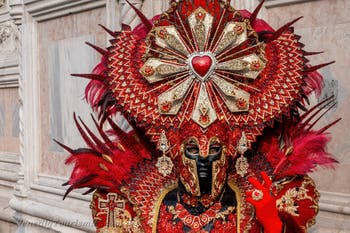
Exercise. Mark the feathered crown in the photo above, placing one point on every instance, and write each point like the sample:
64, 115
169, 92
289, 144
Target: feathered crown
205, 63
201, 67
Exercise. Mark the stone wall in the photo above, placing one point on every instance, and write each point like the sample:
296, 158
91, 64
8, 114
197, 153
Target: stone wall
41, 43
9, 114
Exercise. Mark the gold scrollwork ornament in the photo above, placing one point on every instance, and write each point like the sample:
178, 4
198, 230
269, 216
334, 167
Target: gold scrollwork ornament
164, 163
242, 164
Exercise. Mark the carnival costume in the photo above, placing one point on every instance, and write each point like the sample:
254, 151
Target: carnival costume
221, 139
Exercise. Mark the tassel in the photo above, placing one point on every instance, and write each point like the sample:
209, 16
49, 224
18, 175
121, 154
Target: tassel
279, 32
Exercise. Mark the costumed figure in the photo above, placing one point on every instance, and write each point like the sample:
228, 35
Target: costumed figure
221, 139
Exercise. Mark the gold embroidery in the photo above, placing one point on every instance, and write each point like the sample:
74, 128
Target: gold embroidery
192, 167
288, 202
158, 204
232, 95
240, 205
232, 37
217, 167
167, 36
203, 63
203, 101
200, 23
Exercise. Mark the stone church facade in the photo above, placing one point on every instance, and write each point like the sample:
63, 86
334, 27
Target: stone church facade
42, 42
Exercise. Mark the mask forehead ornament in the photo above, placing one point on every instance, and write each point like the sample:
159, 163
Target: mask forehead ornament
210, 72
164, 163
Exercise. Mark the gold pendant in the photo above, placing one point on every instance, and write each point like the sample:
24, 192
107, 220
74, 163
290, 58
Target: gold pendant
242, 166
164, 165
242, 162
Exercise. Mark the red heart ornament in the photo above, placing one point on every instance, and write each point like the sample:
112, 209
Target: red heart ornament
202, 64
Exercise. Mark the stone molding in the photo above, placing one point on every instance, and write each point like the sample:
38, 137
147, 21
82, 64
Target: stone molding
9, 82
53, 185
9, 78
9, 58
249, 5
8, 30
33, 214
338, 203
334, 215
42, 10
128, 15
5, 175
275, 3
15, 11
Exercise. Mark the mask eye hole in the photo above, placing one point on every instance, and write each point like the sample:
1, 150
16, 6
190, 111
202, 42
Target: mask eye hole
215, 149
192, 148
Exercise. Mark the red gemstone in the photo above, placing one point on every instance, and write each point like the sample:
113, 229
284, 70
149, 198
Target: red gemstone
204, 119
255, 65
241, 104
238, 29
200, 15
165, 106
162, 33
202, 64
148, 71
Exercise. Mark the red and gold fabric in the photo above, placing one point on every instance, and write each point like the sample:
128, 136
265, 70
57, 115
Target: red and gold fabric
297, 205
203, 73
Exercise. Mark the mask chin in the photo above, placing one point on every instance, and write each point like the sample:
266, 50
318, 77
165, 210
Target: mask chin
204, 170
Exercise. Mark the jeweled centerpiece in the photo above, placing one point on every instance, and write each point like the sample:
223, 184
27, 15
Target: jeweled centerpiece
201, 61
202, 65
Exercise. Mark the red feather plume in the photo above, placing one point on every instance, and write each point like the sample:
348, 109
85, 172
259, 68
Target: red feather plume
105, 164
314, 83
298, 150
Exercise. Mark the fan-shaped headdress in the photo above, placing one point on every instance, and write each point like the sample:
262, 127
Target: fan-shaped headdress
201, 68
